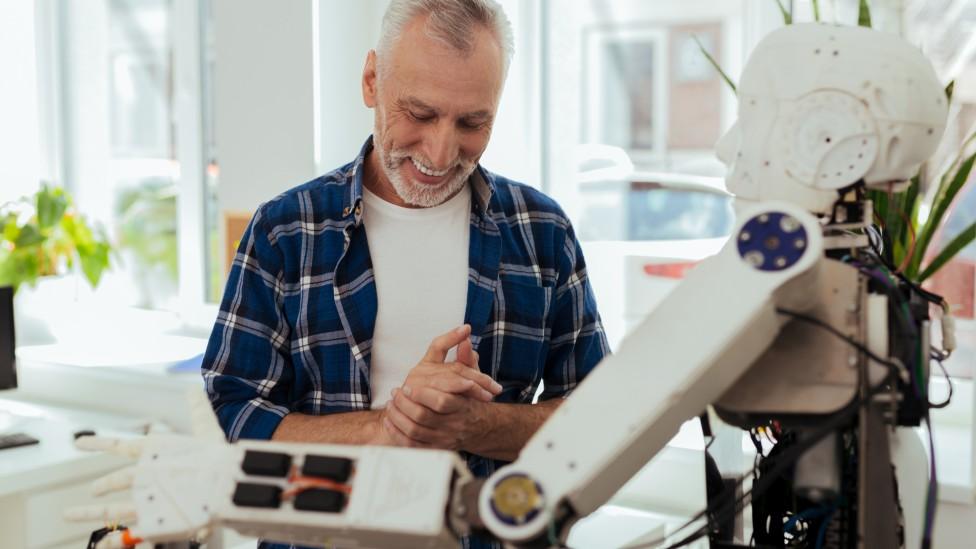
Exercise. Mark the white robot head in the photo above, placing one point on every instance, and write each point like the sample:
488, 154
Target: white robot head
822, 107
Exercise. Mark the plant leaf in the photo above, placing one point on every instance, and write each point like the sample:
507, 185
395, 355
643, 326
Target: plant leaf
94, 262
787, 16
715, 63
29, 235
955, 246
940, 205
864, 14
10, 229
816, 10
51, 204
949, 88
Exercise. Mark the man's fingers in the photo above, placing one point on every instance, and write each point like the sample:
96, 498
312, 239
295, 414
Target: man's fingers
477, 393
459, 385
114, 482
438, 401
114, 512
485, 381
465, 354
449, 383
398, 437
437, 351
409, 427
130, 448
416, 412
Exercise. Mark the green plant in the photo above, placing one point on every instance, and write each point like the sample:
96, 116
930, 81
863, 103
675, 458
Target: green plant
148, 226
44, 235
907, 232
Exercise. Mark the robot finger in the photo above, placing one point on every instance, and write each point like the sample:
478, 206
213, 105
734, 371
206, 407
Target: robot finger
118, 540
117, 513
130, 448
114, 482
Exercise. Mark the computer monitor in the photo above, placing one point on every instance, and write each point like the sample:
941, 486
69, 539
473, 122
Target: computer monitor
8, 372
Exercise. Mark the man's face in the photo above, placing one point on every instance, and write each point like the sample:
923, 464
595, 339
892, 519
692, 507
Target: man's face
434, 109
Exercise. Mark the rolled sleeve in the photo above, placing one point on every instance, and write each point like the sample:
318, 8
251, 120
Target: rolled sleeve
247, 368
577, 341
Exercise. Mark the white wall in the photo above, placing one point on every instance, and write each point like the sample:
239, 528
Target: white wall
347, 31
264, 106
19, 156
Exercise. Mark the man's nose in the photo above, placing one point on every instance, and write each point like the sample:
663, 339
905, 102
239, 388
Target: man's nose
442, 146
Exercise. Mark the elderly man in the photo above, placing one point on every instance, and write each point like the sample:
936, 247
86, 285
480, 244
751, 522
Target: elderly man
410, 297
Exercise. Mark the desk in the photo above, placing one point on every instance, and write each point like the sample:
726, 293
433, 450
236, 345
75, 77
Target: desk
38, 481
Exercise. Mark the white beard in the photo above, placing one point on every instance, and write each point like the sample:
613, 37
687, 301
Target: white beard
420, 194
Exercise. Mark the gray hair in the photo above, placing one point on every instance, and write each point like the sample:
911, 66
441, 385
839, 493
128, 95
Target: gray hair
451, 21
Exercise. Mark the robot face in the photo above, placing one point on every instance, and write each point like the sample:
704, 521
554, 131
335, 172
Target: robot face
823, 107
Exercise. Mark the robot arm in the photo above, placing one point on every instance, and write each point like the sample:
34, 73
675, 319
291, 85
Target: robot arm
615, 421
664, 373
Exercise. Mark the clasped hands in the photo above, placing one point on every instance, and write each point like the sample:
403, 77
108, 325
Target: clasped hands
440, 404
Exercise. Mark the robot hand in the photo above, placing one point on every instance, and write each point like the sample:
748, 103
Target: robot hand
183, 486
173, 481
172, 485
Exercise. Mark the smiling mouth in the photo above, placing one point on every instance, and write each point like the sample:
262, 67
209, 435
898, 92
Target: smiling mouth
425, 175
430, 172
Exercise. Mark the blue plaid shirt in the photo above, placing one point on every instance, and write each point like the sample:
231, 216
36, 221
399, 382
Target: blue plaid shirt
296, 321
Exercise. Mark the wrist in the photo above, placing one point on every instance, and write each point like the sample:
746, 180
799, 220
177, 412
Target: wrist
481, 423
377, 435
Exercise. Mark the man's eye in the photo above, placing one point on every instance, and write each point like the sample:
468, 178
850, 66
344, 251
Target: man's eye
421, 117
468, 125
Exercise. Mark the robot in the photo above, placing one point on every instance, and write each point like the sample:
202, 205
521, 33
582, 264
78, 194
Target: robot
800, 329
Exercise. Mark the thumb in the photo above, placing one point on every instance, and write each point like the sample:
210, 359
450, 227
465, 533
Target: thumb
466, 354
437, 351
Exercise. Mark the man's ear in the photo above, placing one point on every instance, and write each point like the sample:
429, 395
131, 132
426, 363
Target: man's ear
369, 80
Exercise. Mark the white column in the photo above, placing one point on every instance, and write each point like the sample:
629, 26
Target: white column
265, 120
346, 32
187, 101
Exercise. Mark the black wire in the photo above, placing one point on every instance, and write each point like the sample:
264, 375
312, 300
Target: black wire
781, 463
857, 345
879, 255
948, 378
788, 457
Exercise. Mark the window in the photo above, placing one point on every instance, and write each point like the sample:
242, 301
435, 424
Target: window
130, 132
634, 109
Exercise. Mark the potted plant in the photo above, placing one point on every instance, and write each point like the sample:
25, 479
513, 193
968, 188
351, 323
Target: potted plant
44, 238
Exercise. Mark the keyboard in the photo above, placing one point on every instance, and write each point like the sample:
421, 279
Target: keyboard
16, 440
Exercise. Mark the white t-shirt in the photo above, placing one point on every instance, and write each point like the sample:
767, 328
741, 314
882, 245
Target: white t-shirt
420, 264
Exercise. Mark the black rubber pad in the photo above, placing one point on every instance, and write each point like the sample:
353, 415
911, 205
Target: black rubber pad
318, 499
332, 468
257, 495
266, 464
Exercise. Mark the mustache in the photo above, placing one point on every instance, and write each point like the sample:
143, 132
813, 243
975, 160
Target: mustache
397, 156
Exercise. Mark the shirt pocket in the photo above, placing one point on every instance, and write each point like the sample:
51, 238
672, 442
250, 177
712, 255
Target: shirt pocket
520, 335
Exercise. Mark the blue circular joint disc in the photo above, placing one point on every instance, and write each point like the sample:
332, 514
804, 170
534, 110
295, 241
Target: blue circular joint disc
772, 241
